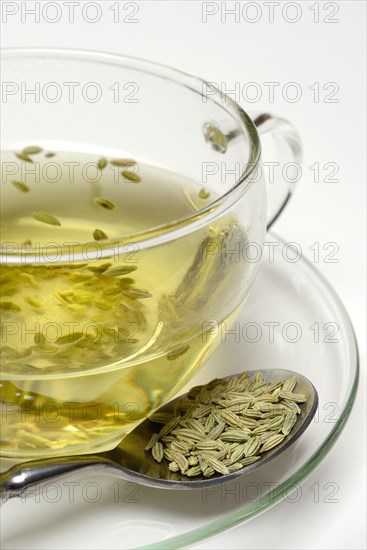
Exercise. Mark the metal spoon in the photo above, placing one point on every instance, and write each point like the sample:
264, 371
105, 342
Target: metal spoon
129, 461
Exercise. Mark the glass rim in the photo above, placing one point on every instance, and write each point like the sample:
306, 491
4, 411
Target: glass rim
174, 228
247, 512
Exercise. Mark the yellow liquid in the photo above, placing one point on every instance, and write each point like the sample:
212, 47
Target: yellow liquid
91, 347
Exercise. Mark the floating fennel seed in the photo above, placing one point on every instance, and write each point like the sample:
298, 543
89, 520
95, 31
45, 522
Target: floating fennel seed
215, 137
9, 289
100, 318
39, 338
111, 298
44, 349
69, 338
121, 270
9, 306
44, 217
112, 292
78, 277
172, 355
99, 268
137, 293
32, 150
104, 203
7, 276
67, 354
102, 163
130, 176
8, 351
203, 194
24, 157
30, 279
123, 162
103, 305
64, 297
20, 186
99, 235
50, 155
32, 302
83, 297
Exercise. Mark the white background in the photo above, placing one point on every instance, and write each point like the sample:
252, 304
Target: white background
305, 52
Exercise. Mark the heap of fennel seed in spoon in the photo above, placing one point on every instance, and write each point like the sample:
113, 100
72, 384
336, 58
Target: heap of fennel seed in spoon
225, 425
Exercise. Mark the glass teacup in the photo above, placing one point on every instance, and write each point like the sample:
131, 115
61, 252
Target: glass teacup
101, 326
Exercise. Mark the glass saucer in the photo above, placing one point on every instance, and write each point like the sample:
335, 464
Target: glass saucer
292, 320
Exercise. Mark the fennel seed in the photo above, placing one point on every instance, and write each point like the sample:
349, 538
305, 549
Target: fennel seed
123, 162
32, 150
102, 163
203, 194
44, 217
24, 157
209, 438
99, 235
130, 176
20, 186
105, 203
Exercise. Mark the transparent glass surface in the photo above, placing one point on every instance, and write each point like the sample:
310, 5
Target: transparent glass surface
102, 512
99, 333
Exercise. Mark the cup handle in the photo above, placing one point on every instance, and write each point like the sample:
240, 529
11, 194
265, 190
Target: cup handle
284, 171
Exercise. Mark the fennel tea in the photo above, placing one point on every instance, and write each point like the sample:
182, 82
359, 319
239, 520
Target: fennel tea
96, 330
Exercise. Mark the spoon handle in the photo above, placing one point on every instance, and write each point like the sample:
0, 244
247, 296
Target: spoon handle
22, 477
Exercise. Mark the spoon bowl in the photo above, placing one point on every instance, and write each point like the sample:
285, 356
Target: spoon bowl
131, 462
